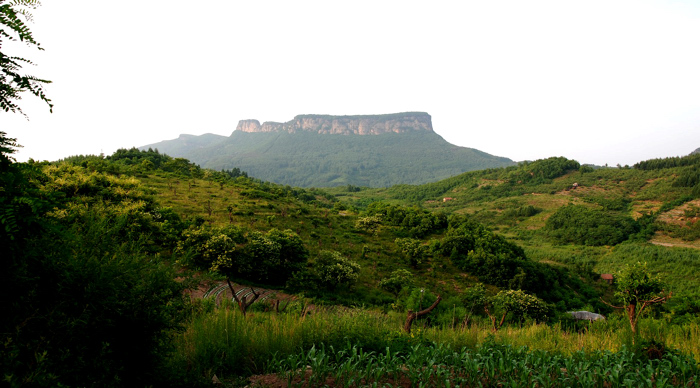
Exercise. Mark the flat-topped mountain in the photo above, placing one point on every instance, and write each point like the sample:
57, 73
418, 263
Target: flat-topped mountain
326, 151
345, 125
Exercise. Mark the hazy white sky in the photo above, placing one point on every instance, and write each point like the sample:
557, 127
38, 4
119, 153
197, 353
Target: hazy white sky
597, 81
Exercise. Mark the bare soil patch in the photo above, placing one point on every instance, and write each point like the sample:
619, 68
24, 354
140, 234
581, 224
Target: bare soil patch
677, 216
667, 241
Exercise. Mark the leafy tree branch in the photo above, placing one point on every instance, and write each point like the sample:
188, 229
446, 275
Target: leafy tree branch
14, 16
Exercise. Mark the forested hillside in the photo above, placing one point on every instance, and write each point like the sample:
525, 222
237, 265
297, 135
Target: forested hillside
561, 211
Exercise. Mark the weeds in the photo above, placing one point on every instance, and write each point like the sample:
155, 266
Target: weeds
352, 347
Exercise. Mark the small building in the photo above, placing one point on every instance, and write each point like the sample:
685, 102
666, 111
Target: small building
608, 277
447, 199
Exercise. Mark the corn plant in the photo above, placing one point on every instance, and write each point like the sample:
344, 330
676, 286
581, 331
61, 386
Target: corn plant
488, 365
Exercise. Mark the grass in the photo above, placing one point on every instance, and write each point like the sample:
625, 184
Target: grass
222, 342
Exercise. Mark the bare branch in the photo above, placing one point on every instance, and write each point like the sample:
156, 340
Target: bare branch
412, 315
615, 307
243, 303
658, 299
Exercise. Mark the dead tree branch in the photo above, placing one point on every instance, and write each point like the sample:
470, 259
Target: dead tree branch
243, 303
413, 315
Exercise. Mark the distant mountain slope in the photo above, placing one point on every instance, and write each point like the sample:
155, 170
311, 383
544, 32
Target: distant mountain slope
326, 151
187, 143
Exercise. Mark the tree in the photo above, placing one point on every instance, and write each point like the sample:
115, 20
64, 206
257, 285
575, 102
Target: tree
637, 289
396, 281
517, 302
368, 224
333, 270
474, 296
14, 16
292, 256
413, 249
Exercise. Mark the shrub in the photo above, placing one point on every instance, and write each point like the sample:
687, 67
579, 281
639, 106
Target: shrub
333, 270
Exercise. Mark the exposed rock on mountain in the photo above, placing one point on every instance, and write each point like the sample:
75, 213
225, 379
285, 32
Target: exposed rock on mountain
345, 125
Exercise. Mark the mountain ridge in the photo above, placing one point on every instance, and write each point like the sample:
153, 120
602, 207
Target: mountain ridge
328, 151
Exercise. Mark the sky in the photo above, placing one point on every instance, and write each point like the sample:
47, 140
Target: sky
602, 82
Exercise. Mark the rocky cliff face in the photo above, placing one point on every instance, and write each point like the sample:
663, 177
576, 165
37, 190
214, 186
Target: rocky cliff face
248, 126
345, 125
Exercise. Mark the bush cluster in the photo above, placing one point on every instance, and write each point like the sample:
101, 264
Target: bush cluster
586, 226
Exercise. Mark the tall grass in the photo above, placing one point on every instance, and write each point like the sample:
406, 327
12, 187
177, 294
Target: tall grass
611, 335
225, 343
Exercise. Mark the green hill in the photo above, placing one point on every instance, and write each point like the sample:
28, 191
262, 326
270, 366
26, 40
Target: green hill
205, 204
563, 213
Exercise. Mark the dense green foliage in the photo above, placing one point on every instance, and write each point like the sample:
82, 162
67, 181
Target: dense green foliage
689, 175
84, 299
517, 304
494, 260
657, 164
251, 256
396, 282
325, 160
586, 226
333, 270
637, 290
491, 183
635, 285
